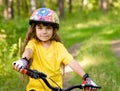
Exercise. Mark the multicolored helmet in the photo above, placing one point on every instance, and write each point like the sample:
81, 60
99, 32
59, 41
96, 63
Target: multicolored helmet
44, 15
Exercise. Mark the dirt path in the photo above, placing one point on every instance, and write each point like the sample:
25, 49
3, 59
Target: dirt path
115, 47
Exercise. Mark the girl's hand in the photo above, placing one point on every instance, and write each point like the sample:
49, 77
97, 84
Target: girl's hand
88, 81
20, 65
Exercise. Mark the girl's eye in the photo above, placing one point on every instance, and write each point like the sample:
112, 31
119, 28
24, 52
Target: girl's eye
46, 27
39, 27
49, 27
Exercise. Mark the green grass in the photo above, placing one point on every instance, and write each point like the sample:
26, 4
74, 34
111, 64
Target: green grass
94, 30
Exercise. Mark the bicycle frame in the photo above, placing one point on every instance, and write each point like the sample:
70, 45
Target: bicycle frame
39, 75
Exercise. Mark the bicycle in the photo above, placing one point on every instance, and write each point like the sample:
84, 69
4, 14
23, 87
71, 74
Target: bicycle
39, 75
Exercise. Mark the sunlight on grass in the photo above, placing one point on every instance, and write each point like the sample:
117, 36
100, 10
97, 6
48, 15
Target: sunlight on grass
88, 62
81, 25
87, 24
2, 34
108, 31
93, 22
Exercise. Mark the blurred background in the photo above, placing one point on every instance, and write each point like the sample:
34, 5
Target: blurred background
94, 25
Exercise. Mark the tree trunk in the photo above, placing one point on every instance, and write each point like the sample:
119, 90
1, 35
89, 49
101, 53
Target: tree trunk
70, 6
10, 9
33, 5
5, 9
81, 4
100, 4
42, 3
103, 5
111, 3
0, 2
18, 7
60, 5
85, 2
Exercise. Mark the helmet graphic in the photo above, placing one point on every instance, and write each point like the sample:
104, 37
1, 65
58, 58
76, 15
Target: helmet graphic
44, 15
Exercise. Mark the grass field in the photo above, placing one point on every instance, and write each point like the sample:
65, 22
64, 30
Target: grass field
94, 30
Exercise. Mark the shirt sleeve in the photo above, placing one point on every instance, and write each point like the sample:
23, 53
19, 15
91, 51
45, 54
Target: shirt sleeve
65, 55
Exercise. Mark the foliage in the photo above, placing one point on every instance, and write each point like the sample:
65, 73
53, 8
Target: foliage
10, 32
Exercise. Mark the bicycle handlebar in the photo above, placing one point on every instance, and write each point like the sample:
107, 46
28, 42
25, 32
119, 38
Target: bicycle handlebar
39, 75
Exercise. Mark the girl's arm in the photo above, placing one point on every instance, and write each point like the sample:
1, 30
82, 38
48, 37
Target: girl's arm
86, 80
74, 65
27, 53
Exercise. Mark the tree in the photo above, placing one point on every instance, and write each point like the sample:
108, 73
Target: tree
103, 5
18, 7
70, 5
83, 4
60, 5
42, 3
32, 5
11, 10
111, 2
8, 10
0, 2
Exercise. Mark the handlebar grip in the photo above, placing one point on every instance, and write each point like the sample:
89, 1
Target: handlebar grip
24, 71
34, 73
31, 73
97, 87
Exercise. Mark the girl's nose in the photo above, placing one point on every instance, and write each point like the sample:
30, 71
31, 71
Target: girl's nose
44, 30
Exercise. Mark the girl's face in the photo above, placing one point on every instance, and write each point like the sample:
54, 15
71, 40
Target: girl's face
44, 32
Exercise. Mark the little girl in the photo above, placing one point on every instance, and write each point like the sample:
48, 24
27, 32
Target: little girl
44, 51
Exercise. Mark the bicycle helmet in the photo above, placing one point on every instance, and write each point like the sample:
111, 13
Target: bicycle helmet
44, 15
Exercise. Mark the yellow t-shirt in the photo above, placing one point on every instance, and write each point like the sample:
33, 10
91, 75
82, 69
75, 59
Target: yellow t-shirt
48, 61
